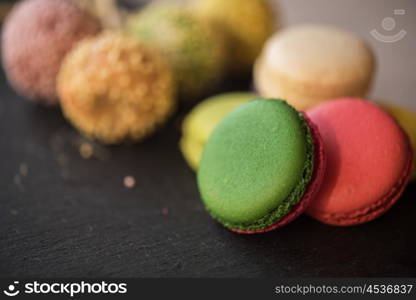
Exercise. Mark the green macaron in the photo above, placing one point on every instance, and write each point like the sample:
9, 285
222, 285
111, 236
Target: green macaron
257, 165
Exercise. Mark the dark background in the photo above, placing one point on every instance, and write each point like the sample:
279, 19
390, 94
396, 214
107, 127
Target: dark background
65, 216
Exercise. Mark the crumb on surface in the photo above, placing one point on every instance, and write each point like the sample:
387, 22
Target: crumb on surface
86, 150
129, 182
23, 169
17, 180
165, 211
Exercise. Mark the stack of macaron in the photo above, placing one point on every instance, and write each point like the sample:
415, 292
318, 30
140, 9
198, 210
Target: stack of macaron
343, 162
261, 166
324, 150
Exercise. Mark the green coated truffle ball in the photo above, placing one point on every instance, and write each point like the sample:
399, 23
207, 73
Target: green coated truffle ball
194, 48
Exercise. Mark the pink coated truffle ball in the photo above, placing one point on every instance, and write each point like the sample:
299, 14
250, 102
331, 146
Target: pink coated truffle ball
36, 37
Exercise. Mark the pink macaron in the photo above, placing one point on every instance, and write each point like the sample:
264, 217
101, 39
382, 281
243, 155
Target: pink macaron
369, 159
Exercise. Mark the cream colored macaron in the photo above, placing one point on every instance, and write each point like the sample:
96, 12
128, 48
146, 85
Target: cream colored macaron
308, 64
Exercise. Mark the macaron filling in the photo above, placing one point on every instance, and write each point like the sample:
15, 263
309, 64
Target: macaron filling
269, 186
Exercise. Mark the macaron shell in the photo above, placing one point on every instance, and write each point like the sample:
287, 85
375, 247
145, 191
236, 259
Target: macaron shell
332, 54
201, 121
312, 189
191, 150
256, 165
269, 84
368, 162
309, 64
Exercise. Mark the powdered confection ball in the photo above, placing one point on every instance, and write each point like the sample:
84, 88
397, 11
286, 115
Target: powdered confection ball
36, 37
193, 47
115, 88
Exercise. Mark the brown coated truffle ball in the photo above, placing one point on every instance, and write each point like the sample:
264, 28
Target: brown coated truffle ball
36, 37
115, 88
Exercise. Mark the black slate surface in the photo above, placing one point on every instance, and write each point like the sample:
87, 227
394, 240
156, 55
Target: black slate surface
73, 217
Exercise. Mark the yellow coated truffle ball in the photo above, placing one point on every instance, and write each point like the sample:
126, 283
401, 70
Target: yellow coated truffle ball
248, 24
115, 88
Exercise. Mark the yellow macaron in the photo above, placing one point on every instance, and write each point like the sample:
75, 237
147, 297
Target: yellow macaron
407, 119
201, 121
309, 64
